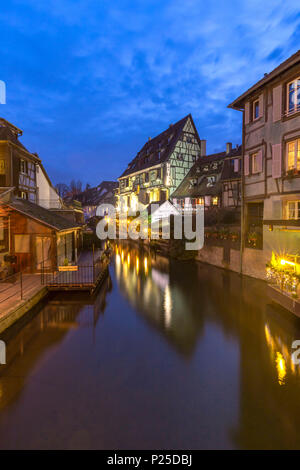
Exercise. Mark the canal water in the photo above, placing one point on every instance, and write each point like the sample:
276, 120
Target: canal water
167, 355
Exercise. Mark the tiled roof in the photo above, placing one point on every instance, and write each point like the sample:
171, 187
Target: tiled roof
215, 165
158, 149
228, 172
238, 103
94, 196
41, 214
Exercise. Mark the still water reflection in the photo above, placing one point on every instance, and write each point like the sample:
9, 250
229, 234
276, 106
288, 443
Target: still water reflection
167, 355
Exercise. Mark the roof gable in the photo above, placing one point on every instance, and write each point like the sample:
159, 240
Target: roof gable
160, 148
294, 59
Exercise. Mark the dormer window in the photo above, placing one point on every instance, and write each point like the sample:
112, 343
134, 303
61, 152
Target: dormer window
293, 95
211, 181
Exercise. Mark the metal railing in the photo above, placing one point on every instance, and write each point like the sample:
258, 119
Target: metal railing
77, 276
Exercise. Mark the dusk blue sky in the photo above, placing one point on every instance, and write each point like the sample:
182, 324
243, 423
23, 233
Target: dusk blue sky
89, 81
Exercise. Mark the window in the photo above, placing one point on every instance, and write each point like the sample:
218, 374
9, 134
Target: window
255, 166
22, 244
293, 96
215, 201
255, 110
146, 177
23, 195
211, 180
153, 175
293, 155
23, 166
293, 209
200, 201
3, 234
2, 167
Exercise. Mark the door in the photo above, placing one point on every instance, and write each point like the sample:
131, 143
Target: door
254, 232
43, 252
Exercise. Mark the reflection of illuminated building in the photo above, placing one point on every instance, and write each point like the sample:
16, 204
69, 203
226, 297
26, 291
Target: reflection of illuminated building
168, 305
157, 299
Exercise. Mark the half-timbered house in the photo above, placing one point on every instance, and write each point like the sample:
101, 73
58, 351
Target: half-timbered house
213, 181
160, 166
17, 164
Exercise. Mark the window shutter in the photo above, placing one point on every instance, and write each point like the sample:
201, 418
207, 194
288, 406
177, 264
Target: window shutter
259, 162
261, 105
246, 163
276, 161
236, 165
247, 113
277, 103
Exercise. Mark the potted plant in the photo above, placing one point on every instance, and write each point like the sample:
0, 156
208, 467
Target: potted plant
252, 238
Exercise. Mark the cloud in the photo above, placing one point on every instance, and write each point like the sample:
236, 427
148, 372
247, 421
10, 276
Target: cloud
89, 80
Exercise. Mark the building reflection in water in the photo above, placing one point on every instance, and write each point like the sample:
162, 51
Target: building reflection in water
45, 329
182, 300
212, 369
146, 281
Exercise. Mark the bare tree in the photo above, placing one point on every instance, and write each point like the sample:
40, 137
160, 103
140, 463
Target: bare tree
62, 189
75, 187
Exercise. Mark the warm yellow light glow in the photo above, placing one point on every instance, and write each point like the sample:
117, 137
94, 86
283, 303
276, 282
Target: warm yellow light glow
281, 368
168, 305
137, 264
122, 255
128, 259
146, 264
285, 261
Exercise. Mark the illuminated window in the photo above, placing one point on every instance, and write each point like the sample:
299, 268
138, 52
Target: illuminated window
293, 155
293, 95
215, 201
23, 195
200, 201
293, 210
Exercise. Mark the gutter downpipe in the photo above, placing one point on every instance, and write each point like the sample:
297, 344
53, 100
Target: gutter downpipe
242, 241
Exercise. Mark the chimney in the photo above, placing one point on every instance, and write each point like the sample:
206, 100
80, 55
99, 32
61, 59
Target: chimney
149, 138
228, 147
203, 148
